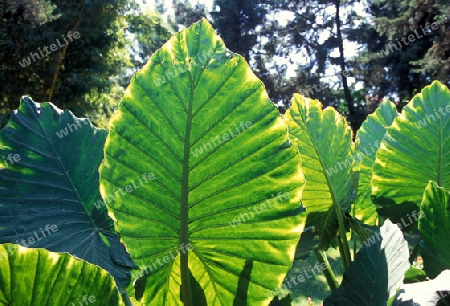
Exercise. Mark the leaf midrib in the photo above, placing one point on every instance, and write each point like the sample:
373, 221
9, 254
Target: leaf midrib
441, 153
335, 203
184, 210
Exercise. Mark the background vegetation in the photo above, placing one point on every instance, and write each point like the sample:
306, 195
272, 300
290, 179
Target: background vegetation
292, 45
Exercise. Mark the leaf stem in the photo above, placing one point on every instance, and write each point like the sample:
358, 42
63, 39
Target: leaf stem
328, 272
345, 252
126, 299
341, 252
184, 210
352, 230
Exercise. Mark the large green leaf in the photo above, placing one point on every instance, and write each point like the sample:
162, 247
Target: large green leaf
370, 136
226, 182
49, 187
377, 271
324, 141
40, 277
413, 152
435, 229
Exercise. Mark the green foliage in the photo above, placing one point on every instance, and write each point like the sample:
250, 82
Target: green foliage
39, 277
203, 169
435, 229
414, 275
377, 271
413, 152
103, 105
51, 181
36, 12
84, 75
204, 182
150, 33
370, 136
328, 192
64, 74
393, 65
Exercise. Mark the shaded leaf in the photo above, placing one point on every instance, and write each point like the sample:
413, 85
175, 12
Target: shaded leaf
286, 301
377, 271
309, 240
48, 197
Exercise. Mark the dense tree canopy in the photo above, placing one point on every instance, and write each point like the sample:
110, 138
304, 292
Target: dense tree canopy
75, 54
349, 54
408, 46
70, 51
314, 41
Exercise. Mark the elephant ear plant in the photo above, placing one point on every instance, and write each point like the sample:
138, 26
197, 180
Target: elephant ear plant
199, 119
197, 194
197, 174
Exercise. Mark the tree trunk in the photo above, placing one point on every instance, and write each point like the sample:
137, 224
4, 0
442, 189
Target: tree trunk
351, 117
60, 61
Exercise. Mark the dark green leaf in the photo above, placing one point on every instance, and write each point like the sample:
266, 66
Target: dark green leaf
377, 271
49, 194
